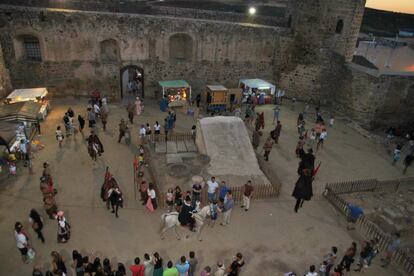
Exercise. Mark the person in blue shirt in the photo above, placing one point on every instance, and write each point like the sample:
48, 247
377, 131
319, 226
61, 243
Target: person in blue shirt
183, 266
353, 214
223, 190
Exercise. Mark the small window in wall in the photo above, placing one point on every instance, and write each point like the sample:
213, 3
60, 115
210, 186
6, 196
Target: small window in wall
181, 47
31, 47
109, 51
339, 26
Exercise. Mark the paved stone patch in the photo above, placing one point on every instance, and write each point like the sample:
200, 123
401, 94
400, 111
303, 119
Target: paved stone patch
171, 147
190, 145
160, 147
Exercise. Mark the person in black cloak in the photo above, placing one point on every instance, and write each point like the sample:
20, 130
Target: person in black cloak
303, 187
185, 216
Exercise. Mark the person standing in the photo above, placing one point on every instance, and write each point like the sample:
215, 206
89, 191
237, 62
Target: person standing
58, 264
247, 195
312, 271
22, 241
152, 196
275, 134
157, 128
122, 129
228, 207
255, 139
137, 269
236, 265
196, 193
158, 270
276, 114
391, 249
171, 270
149, 265
348, 258
37, 224
322, 138
212, 188
63, 233
198, 99
81, 121
365, 252
104, 119
193, 261
78, 263
303, 187
91, 118
223, 189
221, 269
37, 271
142, 134
183, 266
267, 147
206, 271
397, 154
407, 162
138, 106
130, 109
59, 136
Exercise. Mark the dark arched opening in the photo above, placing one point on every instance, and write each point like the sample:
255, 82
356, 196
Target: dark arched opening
339, 26
132, 81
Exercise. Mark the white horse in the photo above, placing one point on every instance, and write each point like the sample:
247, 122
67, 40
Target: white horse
170, 220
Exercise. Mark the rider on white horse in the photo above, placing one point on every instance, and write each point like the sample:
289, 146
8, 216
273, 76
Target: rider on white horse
186, 214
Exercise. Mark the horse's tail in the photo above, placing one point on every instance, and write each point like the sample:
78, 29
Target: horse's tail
163, 221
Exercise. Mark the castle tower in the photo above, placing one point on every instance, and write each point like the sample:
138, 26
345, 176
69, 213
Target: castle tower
326, 24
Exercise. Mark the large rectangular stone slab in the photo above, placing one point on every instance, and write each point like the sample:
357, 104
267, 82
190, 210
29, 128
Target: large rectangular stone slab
160, 147
171, 147
181, 146
173, 158
190, 145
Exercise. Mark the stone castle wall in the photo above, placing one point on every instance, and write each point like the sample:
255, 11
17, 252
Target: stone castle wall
5, 85
72, 57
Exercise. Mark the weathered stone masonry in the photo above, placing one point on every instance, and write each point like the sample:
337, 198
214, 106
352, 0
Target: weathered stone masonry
73, 65
311, 60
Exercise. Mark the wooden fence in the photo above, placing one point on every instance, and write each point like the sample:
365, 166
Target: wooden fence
367, 228
175, 136
260, 192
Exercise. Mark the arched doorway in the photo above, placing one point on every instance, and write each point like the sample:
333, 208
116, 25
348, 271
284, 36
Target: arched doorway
132, 81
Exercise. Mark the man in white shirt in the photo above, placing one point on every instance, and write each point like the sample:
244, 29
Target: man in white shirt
96, 109
312, 271
142, 134
212, 188
21, 240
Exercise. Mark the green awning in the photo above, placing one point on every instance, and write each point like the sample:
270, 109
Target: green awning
174, 84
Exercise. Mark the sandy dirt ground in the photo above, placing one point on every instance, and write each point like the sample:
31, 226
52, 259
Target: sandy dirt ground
272, 237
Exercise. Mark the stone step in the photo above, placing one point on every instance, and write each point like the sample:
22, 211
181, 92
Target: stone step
181, 146
171, 147
173, 158
160, 147
190, 145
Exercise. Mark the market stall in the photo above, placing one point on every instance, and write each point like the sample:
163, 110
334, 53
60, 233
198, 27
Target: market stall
262, 91
217, 98
177, 92
37, 95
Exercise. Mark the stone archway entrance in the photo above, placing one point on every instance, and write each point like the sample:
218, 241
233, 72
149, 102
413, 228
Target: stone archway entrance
132, 81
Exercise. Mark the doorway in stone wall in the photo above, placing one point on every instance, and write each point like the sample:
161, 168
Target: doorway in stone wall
132, 82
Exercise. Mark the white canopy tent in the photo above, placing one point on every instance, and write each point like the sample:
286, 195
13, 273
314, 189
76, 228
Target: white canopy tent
28, 94
258, 84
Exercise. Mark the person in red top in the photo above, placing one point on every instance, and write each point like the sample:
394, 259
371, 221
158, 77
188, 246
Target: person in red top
137, 269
